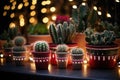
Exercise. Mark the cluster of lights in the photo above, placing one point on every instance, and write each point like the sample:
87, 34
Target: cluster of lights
45, 3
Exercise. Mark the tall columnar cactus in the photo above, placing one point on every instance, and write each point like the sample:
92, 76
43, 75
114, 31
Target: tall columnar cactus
77, 51
79, 17
53, 33
62, 48
41, 46
62, 33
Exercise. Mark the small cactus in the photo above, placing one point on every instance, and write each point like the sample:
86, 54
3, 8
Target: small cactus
19, 40
62, 48
41, 46
8, 44
77, 51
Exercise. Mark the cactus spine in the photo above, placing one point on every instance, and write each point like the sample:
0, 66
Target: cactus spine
19, 42
53, 33
62, 33
62, 48
76, 51
41, 46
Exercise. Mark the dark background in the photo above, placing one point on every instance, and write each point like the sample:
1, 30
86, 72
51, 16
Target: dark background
106, 5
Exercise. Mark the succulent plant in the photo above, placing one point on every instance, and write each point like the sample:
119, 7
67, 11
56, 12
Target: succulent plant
99, 38
8, 44
77, 51
62, 48
19, 40
4, 35
37, 29
13, 32
79, 17
41, 46
62, 33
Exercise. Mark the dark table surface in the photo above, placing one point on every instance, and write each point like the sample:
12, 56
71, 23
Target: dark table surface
53, 73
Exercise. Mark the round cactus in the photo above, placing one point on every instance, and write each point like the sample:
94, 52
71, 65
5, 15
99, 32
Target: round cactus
62, 48
77, 51
41, 46
19, 40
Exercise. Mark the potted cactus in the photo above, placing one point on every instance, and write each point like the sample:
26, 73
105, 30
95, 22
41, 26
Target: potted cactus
77, 57
7, 47
62, 33
41, 54
62, 55
19, 51
101, 49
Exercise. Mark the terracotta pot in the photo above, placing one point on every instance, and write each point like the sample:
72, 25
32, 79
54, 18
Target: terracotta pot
33, 38
41, 59
77, 60
20, 58
117, 41
2, 42
102, 56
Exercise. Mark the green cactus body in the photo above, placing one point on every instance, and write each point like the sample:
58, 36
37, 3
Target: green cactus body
19, 40
13, 32
53, 33
63, 33
60, 33
77, 51
62, 48
41, 46
71, 33
79, 17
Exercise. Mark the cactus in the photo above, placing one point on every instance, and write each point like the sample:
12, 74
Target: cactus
100, 38
62, 48
19, 40
62, 33
41, 46
53, 33
13, 32
77, 51
8, 44
79, 17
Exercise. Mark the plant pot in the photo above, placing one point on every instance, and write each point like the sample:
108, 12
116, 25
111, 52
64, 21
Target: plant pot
33, 38
102, 56
62, 60
77, 60
20, 58
53, 59
41, 59
8, 55
2, 42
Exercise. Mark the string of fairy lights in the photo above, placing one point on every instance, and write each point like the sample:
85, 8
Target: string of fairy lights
23, 12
